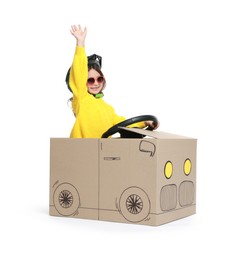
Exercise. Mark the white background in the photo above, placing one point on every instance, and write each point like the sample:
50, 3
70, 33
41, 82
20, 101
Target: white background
178, 60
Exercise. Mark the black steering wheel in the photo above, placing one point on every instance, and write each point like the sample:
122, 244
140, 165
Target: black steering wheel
114, 129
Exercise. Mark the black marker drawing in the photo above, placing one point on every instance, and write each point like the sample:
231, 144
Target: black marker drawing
147, 147
66, 199
134, 204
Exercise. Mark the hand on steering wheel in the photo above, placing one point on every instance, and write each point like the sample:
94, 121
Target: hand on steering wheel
114, 129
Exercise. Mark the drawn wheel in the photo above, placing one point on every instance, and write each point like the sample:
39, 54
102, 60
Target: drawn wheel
66, 199
134, 204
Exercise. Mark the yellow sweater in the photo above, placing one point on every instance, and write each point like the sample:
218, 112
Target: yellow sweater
93, 115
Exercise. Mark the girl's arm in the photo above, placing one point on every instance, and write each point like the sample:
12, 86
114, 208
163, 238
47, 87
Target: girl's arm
79, 71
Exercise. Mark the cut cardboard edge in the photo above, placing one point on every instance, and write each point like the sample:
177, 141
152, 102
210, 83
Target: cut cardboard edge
154, 134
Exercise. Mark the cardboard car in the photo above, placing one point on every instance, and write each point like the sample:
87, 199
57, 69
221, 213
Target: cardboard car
149, 179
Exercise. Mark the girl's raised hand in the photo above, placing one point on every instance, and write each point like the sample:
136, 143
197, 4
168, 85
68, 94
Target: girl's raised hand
79, 34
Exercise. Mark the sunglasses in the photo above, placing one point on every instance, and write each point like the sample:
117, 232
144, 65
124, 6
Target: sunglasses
91, 81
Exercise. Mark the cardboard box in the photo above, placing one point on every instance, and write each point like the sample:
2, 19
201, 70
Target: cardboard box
149, 181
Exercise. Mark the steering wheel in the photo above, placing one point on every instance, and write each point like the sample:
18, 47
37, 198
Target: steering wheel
114, 129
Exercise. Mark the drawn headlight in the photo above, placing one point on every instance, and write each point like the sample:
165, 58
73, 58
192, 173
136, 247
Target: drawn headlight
187, 166
168, 169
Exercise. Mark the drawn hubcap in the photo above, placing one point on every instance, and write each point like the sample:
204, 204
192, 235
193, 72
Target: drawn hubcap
65, 198
134, 204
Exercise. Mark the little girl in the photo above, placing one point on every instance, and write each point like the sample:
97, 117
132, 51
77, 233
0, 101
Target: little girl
86, 80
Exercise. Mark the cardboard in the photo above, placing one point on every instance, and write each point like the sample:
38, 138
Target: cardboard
149, 181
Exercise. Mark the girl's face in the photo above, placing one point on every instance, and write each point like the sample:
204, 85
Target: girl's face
95, 82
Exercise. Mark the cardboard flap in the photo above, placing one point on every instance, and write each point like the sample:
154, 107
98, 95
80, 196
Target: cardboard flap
154, 134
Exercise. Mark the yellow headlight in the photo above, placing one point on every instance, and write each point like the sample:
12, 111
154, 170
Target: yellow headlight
168, 169
187, 166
